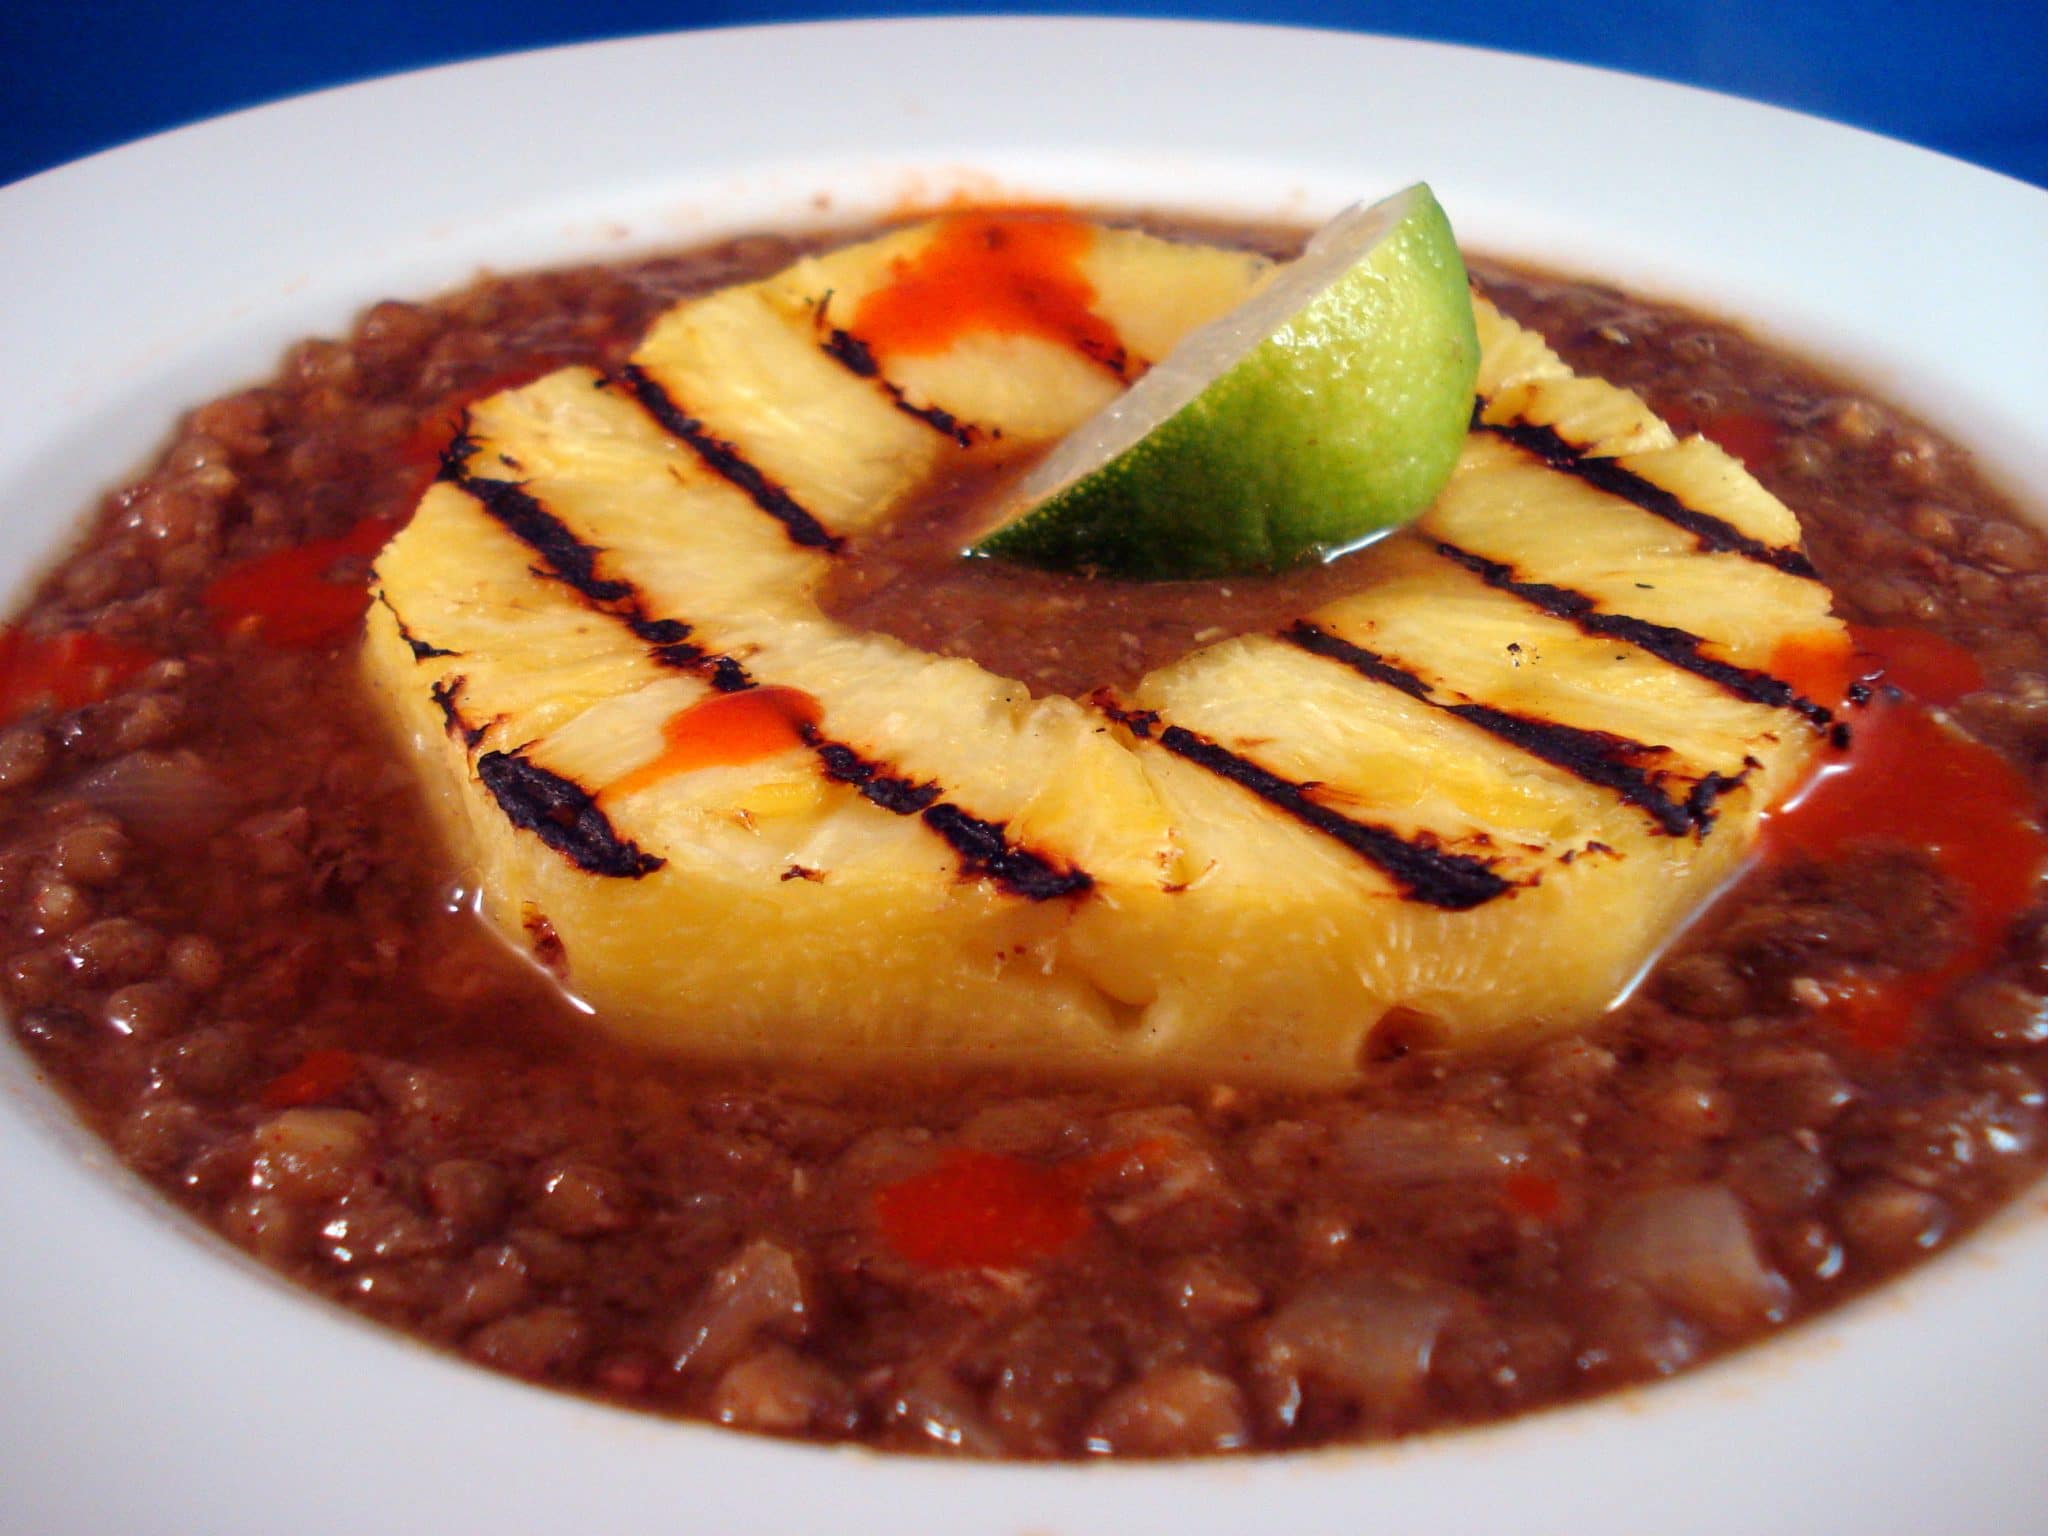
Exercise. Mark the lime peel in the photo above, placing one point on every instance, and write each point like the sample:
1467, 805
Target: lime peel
1328, 408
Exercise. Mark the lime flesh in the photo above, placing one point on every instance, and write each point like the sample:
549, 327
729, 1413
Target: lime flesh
1328, 408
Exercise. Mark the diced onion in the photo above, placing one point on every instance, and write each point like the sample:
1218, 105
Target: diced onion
170, 798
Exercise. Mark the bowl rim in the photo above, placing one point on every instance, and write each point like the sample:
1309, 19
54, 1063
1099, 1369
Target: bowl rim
1825, 1429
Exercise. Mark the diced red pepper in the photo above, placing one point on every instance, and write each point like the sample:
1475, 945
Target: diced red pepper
1534, 1195
318, 1078
62, 672
291, 598
974, 1210
1751, 439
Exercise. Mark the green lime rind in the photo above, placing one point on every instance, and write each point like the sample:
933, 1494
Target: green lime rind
1314, 441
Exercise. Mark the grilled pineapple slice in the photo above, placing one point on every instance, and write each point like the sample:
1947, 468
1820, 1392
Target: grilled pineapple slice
1473, 796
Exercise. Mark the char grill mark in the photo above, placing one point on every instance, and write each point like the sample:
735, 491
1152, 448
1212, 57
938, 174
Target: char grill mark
558, 810
728, 676
564, 815
1713, 534
421, 650
668, 643
987, 854
727, 461
904, 797
680, 658
569, 559
1115, 358
1455, 882
858, 359
984, 850
667, 640
572, 562
1598, 757
447, 697
1679, 647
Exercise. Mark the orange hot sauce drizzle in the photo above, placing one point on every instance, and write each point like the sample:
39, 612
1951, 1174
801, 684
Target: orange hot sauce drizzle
723, 730
1015, 274
289, 598
1818, 664
1908, 778
65, 672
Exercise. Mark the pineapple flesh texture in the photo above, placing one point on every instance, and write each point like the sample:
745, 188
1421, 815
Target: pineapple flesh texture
1444, 799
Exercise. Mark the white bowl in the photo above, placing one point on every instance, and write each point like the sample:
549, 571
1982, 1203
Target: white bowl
156, 1381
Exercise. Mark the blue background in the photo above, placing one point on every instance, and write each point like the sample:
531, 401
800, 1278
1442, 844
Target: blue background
1970, 80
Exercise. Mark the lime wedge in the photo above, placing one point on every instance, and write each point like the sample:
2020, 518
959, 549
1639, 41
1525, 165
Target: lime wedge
1326, 409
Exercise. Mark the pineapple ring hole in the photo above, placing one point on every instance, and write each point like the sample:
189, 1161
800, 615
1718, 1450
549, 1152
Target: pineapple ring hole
1055, 632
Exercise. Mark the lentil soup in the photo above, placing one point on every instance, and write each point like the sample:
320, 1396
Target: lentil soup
225, 935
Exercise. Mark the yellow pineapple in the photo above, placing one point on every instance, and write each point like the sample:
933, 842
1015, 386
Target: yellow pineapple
1474, 795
